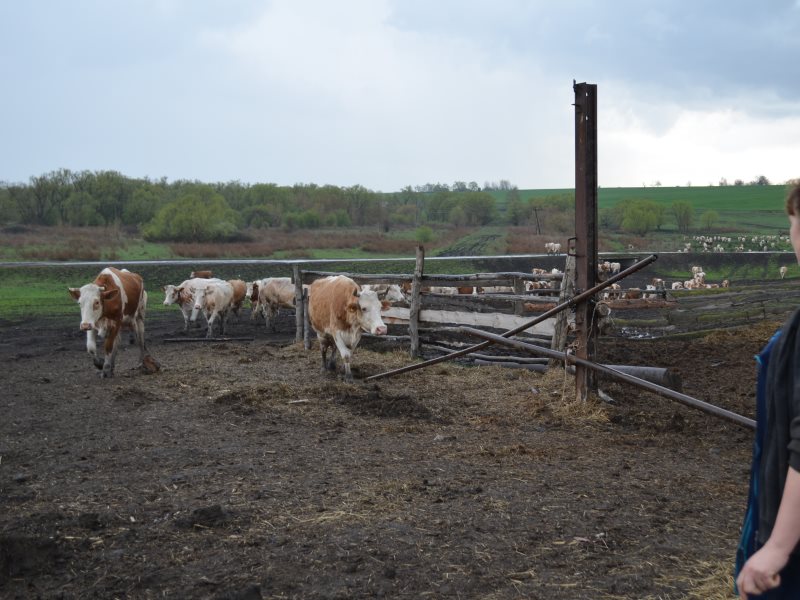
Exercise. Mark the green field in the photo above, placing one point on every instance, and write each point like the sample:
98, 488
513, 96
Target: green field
748, 209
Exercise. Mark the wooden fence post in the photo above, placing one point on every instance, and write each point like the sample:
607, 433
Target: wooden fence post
519, 290
298, 303
306, 322
414, 309
567, 291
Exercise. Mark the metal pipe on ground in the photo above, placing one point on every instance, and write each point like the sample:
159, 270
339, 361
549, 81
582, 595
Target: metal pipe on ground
585, 295
208, 340
658, 389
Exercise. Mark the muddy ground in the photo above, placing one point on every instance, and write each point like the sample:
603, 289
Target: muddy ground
241, 470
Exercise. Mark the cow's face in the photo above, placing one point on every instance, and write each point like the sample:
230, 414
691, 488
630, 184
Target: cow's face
171, 294
90, 297
368, 309
198, 295
394, 294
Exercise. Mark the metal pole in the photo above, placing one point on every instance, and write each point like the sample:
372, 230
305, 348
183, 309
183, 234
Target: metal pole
653, 387
587, 294
585, 227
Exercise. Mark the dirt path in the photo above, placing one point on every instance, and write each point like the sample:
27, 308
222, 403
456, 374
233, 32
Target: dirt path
242, 471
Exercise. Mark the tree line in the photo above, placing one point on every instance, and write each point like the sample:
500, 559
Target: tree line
195, 211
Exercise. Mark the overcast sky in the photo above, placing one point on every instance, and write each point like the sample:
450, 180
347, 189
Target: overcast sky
389, 93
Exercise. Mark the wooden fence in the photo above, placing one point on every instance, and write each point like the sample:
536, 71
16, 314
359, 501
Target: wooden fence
429, 312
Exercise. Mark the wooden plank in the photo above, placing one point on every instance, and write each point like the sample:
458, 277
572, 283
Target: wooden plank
299, 321
566, 292
399, 314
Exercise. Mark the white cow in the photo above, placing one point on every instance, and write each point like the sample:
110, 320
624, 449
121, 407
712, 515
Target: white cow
783, 270
552, 247
390, 292
339, 312
181, 295
214, 300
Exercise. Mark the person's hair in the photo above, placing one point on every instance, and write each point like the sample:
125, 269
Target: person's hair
793, 198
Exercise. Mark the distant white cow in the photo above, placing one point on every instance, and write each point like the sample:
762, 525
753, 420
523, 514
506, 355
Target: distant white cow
552, 247
214, 300
390, 292
183, 296
783, 270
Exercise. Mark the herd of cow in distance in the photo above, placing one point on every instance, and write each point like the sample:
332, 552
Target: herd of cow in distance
339, 309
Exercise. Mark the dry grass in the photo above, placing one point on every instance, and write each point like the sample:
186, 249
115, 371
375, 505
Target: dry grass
708, 581
64, 243
520, 240
297, 244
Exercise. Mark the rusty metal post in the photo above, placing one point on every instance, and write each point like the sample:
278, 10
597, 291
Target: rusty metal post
585, 229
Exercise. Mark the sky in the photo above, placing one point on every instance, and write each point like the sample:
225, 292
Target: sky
392, 93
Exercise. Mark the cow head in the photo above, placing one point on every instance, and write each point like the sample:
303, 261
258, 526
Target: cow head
171, 294
393, 293
198, 296
367, 310
251, 291
90, 297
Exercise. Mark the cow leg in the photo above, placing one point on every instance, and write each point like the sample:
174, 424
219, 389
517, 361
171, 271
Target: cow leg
91, 348
110, 346
345, 353
223, 321
325, 344
210, 329
138, 330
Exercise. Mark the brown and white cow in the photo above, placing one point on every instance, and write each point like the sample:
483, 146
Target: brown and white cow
114, 300
252, 292
201, 275
214, 300
339, 312
183, 296
275, 293
239, 293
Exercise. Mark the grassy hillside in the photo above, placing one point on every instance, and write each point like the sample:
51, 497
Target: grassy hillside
742, 209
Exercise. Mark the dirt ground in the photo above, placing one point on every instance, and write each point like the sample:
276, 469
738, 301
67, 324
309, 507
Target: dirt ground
241, 470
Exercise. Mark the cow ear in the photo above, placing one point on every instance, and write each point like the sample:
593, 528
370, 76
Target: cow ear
75, 293
385, 304
110, 294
